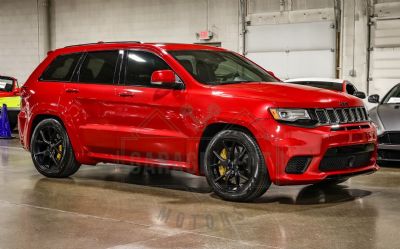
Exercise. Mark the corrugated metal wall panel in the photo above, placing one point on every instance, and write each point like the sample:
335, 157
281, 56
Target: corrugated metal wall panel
385, 56
294, 50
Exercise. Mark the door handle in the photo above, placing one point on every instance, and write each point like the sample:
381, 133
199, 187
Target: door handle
71, 90
125, 94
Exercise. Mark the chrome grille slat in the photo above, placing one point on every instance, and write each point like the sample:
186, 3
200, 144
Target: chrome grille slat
333, 119
354, 113
340, 116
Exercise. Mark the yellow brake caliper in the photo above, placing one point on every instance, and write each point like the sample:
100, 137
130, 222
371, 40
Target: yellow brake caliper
221, 168
59, 154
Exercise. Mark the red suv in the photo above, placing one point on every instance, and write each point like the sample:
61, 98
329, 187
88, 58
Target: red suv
199, 109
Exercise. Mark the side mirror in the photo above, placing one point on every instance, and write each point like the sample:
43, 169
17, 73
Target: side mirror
360, 95
374, 98
163, 77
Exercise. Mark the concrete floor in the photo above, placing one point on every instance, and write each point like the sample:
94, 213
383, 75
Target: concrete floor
115, 207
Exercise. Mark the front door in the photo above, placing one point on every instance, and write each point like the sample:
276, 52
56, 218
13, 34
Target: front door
151, 125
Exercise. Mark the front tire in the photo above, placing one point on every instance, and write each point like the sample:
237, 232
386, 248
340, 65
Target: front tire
234, 166
51, 150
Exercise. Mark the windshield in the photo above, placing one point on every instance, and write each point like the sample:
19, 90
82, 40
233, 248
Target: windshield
393, 97
6, 85
324, 85
219, 67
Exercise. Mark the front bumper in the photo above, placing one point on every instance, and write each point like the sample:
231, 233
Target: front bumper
13, 108
389, 146
389, 152
280, 143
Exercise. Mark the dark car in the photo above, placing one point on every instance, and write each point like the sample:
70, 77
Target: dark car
386, 116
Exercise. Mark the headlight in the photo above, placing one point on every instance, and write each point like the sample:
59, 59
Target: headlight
289, 115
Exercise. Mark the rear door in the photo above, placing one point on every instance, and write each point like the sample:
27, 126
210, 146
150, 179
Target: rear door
51, 83
89, 101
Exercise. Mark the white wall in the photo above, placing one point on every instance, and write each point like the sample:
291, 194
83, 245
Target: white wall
18, 38
80, 21
354, 62
23, 31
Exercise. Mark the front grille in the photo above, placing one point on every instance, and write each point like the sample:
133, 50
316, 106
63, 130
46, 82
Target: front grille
340, 158
389, 138
298, 164
340, 115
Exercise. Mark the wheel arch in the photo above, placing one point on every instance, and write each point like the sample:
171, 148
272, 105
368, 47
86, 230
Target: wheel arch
210, 131
36, 120
79, 152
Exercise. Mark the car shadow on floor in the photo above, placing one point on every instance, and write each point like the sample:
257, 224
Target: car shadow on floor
149, 177
175, 180
317, 194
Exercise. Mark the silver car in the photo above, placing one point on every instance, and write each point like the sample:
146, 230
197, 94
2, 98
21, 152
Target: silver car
386, 117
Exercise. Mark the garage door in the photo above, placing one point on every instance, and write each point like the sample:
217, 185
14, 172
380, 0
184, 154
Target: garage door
294, 50
385, 55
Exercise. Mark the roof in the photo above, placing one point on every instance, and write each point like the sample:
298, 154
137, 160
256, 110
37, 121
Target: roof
315, 80
135, 44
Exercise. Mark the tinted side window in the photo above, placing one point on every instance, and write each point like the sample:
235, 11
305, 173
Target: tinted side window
99, 67
61, 68
140, 66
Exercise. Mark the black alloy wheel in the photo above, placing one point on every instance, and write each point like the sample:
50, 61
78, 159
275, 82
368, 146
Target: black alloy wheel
235, 167
51, 150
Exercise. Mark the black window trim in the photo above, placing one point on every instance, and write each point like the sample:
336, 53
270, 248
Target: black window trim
124, 68
75, 78
40, 79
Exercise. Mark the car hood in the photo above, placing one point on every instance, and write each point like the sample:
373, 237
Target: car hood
389, 115
288, 95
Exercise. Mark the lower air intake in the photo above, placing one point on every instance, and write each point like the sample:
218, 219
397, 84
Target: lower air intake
298, 164
348, 157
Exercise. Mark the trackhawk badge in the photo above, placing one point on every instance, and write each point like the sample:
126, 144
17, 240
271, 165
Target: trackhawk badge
343, 104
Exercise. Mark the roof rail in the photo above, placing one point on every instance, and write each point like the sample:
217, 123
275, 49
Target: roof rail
101, 42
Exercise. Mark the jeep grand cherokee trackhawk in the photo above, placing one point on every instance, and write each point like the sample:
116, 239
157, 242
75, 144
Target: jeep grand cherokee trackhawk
199, 109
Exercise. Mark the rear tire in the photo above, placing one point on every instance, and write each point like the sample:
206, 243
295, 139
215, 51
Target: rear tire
51, 150
235, 168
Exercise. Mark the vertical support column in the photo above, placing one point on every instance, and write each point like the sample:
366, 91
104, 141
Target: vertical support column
44, 34
242, 26
355, 42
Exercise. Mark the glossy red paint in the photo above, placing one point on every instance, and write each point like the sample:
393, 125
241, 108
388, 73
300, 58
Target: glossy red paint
163, 77
163, 127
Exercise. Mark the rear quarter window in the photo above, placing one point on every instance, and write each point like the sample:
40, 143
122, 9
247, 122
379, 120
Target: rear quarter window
61, 68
